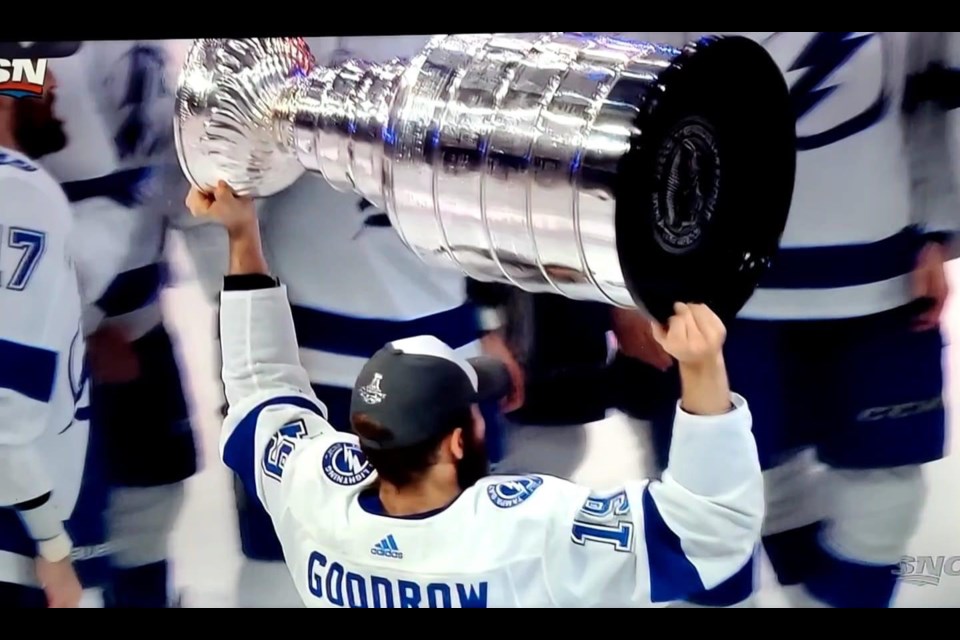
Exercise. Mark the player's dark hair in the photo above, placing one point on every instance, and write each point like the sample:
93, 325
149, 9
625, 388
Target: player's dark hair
404, 466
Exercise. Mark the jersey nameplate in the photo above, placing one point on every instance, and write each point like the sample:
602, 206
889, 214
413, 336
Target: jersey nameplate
513, 492
345, 464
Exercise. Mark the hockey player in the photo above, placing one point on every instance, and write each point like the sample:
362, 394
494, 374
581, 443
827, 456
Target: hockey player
43, 390
427, 528
850, 315
117, 107
382, 291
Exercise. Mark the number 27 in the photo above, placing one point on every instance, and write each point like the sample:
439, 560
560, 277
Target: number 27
31, 244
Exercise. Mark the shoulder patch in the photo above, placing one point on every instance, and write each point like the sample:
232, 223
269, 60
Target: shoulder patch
513, 492
345, 464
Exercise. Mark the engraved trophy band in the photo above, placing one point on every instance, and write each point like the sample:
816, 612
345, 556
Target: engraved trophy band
597, 168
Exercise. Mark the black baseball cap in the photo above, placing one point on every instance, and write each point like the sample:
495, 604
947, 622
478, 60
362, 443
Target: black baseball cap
413, 387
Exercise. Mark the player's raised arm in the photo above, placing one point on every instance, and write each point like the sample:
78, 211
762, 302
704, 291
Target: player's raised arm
34, 274
272, 408
663, 541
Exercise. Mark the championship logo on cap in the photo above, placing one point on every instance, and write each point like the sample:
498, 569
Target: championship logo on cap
372, 394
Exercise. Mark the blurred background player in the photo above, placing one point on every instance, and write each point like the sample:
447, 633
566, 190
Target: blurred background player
382, 291
117, 107
43, 385
850, 315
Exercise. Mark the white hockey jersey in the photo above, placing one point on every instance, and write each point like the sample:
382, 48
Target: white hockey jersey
43, 383
856, 221
507, 542
353, 283
116, 102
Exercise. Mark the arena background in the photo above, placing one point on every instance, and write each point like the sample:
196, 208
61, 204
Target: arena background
211, 571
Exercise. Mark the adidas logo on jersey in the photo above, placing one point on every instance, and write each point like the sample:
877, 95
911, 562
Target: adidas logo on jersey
387, 548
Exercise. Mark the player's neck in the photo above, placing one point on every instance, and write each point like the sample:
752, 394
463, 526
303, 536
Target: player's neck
425, 496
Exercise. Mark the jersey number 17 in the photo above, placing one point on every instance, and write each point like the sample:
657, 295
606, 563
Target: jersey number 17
31, 245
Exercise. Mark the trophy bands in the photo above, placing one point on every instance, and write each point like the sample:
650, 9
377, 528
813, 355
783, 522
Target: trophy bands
593, 167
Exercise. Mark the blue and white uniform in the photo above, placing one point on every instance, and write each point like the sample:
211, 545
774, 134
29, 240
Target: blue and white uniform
353, 285
117, 103
44, 405
505, 542
831, 321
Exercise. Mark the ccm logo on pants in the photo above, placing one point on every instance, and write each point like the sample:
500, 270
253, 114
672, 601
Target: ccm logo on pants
896, 411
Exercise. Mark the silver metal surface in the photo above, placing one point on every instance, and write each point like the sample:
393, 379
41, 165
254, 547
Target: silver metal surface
493, 154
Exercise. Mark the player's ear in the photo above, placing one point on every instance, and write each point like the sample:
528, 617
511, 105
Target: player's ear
457, 448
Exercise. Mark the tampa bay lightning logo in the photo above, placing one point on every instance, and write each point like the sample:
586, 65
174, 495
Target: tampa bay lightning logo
514, 491
345, 464
837, 79
137, 88
78, 374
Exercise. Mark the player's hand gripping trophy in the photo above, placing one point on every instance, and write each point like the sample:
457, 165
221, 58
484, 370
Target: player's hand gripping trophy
597, 168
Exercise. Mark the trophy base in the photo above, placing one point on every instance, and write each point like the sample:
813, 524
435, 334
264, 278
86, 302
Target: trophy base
704, 192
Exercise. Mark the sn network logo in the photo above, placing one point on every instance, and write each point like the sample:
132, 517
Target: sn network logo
927, 571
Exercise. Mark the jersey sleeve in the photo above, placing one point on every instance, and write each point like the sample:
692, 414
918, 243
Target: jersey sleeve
273, 413
663, 541
930, 138
33, 265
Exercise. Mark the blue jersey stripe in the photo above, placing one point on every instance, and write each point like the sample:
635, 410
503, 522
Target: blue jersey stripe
28, 370
124, 187
672, 576
846, 265
133, 290
362, 337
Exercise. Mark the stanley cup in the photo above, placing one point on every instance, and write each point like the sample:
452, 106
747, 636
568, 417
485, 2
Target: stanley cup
593, 167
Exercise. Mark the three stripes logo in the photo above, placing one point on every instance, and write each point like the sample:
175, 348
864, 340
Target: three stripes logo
387, 548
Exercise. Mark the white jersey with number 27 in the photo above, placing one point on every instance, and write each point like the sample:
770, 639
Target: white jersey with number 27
43, 384
506, 542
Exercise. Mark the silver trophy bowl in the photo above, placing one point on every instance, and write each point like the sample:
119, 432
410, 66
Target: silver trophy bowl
593, 167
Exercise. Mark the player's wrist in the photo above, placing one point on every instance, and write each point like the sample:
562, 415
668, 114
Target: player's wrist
705, 388
242, 230
246, 252
709, 367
